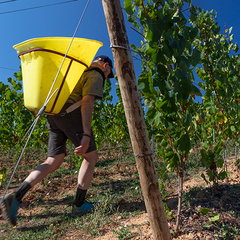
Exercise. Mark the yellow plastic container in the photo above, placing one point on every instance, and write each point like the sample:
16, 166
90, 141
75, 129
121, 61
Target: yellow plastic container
41, 59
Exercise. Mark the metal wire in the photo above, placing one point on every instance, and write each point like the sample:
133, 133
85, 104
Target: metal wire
142, 55
31, 8
10, 180
8, 1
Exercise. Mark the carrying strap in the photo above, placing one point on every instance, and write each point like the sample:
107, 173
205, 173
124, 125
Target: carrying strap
73, 107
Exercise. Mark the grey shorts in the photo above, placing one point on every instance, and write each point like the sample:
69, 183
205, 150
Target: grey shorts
66, 127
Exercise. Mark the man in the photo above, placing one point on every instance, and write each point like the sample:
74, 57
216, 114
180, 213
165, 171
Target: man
75, 126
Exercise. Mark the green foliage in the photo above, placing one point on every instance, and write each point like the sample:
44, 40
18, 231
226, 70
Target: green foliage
226, 231
205, 211
179, 40
238, 163
109, 121
212, 161
14, 117
174, 46
163, 178
123, 233
166, 81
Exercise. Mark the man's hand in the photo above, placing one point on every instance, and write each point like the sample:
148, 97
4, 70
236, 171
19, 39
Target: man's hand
83, 146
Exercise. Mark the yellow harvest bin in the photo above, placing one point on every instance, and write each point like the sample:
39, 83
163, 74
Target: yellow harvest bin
41, 59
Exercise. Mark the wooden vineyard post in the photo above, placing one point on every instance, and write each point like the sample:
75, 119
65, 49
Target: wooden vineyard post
124, 67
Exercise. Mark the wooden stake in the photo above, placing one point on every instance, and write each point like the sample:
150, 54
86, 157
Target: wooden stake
133, 110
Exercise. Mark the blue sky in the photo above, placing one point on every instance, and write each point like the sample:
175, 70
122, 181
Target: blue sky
61, 20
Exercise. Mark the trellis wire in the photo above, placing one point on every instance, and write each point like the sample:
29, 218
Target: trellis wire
10, 180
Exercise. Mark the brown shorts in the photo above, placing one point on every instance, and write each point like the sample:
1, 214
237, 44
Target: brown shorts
66, 127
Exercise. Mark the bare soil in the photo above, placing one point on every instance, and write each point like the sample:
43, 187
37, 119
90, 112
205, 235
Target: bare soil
192, 219
223, 200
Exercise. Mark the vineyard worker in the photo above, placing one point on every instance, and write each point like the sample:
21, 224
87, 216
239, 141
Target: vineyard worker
75, 126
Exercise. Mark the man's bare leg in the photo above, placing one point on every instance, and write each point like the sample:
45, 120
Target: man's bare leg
12, 201
86, 170
50, 165
84, 179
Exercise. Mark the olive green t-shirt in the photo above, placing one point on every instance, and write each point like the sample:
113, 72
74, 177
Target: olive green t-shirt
90, 83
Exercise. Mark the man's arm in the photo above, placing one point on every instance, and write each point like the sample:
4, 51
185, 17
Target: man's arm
86, 112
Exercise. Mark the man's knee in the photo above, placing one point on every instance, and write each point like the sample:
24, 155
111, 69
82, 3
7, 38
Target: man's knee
54, 162
91, 157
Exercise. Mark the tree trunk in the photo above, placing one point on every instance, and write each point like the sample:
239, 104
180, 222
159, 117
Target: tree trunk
133, 110
178, 222
236, 153
180, 190
225, 162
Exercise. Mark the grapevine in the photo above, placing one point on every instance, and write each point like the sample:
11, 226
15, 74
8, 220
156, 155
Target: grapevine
181, 39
